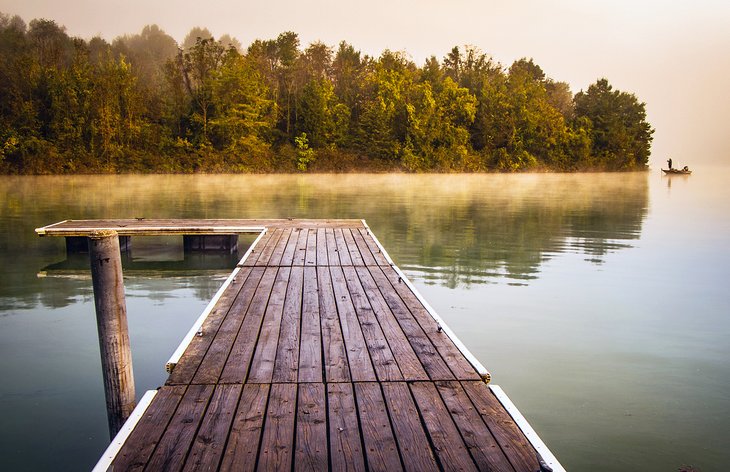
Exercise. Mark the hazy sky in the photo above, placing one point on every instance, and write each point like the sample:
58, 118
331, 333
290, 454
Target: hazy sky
675, 56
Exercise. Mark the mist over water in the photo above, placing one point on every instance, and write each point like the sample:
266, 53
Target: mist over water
597, 301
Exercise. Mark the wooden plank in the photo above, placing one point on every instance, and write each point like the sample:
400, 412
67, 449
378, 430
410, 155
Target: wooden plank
361, 367
245, 437
478, 439
208, 445
508, 435
310, 350
291, 247
215, 359
278, 438
355, 255
142, 441
336, 368
333, 257
406, 358
342, 250
448, 445
262, 366
376, 251
322, 247
311, 257
367, 256
456, 361
174, 445
345, 443
278, 252
256, 251
268, 250
427, 354
381, 451
301, 250
382, 357
286, 365
193, 355
412, 441
239, 358
311, 452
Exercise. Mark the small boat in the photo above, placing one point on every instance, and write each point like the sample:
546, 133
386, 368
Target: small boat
684, 171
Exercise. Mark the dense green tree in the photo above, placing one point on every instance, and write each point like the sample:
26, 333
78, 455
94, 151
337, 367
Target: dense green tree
200, 67
244, 113
620, 135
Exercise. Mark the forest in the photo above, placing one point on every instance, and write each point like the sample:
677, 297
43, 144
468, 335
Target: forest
144, 103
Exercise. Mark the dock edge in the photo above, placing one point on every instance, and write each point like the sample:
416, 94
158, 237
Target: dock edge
518, 418
527, 430
106, 459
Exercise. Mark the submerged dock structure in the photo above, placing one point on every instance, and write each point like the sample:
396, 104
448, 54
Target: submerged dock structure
317, 353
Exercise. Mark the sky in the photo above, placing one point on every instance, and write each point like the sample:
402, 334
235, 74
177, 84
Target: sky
674, 56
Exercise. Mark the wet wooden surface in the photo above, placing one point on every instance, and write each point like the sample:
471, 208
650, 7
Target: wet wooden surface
319, 357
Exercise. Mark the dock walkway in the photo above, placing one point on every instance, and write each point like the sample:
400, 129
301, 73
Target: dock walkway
317, 354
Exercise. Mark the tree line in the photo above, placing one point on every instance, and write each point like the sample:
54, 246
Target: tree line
143, 103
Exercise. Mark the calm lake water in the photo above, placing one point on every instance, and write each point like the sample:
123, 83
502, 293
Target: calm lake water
599, 302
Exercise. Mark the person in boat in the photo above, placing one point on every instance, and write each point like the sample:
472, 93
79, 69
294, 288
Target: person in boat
669, 161
685, 168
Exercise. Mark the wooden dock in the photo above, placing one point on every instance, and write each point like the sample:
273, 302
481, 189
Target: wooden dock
317, 354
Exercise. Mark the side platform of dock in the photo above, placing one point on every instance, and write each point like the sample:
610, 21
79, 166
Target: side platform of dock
317, 353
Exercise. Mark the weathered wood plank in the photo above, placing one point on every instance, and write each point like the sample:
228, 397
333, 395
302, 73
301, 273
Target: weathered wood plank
253, 257
382, 357
239, 358
301, 250
345, 443
406, 358
145, 436
508, 435
175, 443
367, 256
194, 353
380, 258
268, 250
311, 257
336, 367
278, 252
311, 453
287, 353
456, 361
243, 442
427, 354
262, 366
322, 259
381, 451
332, 252
361, 367
477, 437
208, 445
449, 447
357, 258
412, 441
342, 250
215, 359
291, 247
310, 351
278, 438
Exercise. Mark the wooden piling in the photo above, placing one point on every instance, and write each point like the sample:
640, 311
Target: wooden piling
111, 319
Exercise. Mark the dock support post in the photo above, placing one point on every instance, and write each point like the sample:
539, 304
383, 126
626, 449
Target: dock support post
111, 319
